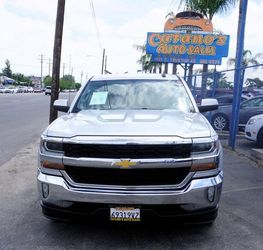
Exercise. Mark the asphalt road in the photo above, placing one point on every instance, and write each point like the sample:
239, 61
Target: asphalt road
23, 117
22, 226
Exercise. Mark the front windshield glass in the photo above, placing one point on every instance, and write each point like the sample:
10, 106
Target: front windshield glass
134, 94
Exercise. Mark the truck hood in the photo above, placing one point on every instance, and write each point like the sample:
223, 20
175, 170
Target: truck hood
130, 123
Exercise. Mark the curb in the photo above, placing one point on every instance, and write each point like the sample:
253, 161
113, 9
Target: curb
257, 153
225, 135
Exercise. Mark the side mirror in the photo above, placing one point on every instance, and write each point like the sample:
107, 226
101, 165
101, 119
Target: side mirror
208, 105
61, 105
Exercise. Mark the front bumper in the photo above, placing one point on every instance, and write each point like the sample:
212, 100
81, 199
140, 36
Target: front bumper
251, 132
198, 194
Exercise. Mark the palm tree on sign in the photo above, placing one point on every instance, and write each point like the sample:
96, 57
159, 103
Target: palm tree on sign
247, 60
208, 8
145, 60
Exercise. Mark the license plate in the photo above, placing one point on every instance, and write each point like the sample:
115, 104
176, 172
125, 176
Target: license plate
125, 214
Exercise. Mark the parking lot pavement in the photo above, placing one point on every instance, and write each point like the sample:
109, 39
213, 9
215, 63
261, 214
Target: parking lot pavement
238, 226
246, 148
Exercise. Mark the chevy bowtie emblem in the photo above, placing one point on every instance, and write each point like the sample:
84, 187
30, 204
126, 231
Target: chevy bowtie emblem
125, 163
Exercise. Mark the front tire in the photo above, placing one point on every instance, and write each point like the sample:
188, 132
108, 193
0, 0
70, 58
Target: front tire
220, 122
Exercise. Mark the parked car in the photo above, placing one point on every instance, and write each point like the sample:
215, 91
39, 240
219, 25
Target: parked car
30, 89
48, 90
131, 145
220, 119
38, 90
228, 99
254, 129
12, 90
22, 89
2, 89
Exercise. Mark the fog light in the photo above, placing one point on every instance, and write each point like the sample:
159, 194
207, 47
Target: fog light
45, 190
211, 193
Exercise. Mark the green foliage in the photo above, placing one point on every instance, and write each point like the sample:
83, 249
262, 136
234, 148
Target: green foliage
67, 82
77, 86
209, 8
145, 59
255, 83
248, 59
21, 79
220, 79
7, 70
47, 80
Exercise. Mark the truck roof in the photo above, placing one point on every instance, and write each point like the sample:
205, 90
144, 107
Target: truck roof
135, 76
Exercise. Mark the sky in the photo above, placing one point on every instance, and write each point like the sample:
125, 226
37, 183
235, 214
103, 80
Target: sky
28, 28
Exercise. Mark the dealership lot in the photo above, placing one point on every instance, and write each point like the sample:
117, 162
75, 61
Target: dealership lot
238, 226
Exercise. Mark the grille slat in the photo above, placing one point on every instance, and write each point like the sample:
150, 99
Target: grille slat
127, 177
127, 151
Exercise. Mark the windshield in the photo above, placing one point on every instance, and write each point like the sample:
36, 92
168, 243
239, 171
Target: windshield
134, 94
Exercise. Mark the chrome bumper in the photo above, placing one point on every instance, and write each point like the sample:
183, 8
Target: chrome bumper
203, 193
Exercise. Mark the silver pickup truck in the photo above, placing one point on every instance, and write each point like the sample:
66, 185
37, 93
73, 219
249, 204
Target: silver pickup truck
131, 147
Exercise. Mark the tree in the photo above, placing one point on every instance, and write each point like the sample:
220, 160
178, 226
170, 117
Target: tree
208, 9
254, 83
145, 60
247, 60
7, 70
21, 79
47, 80
77, 86
67, 82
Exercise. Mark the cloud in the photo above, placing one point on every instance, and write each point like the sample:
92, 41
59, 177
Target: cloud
29, 31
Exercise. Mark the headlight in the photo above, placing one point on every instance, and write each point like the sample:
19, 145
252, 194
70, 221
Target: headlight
54, 146
253, 120
200, 146
205, 154
51, 144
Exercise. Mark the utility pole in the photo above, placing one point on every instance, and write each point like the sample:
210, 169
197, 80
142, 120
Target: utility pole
41, 73
81, 76
102, 66
69, 64
49, 66
56, 58
63, 72
238, 82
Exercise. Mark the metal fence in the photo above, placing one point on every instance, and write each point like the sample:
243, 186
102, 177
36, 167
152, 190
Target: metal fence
217, 83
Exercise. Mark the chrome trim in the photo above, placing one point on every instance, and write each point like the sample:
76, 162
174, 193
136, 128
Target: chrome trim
192, 197
206, 173
127, 140
140, 163
131, 188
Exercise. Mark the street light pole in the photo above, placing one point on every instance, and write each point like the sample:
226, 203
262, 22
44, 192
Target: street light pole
238, 84
102, 66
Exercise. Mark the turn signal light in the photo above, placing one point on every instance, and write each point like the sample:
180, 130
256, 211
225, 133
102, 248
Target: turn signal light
203, 166
53, 165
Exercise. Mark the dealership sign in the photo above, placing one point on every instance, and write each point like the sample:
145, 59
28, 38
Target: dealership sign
197, 48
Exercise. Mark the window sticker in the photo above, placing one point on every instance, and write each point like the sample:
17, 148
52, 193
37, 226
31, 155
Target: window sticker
99, 98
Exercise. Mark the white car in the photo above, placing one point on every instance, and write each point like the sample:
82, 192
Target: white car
48, 90
254, 129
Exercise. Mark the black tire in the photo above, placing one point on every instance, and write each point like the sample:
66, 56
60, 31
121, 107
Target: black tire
260, 138
220, 122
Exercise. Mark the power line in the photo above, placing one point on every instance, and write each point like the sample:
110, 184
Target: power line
95, 22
